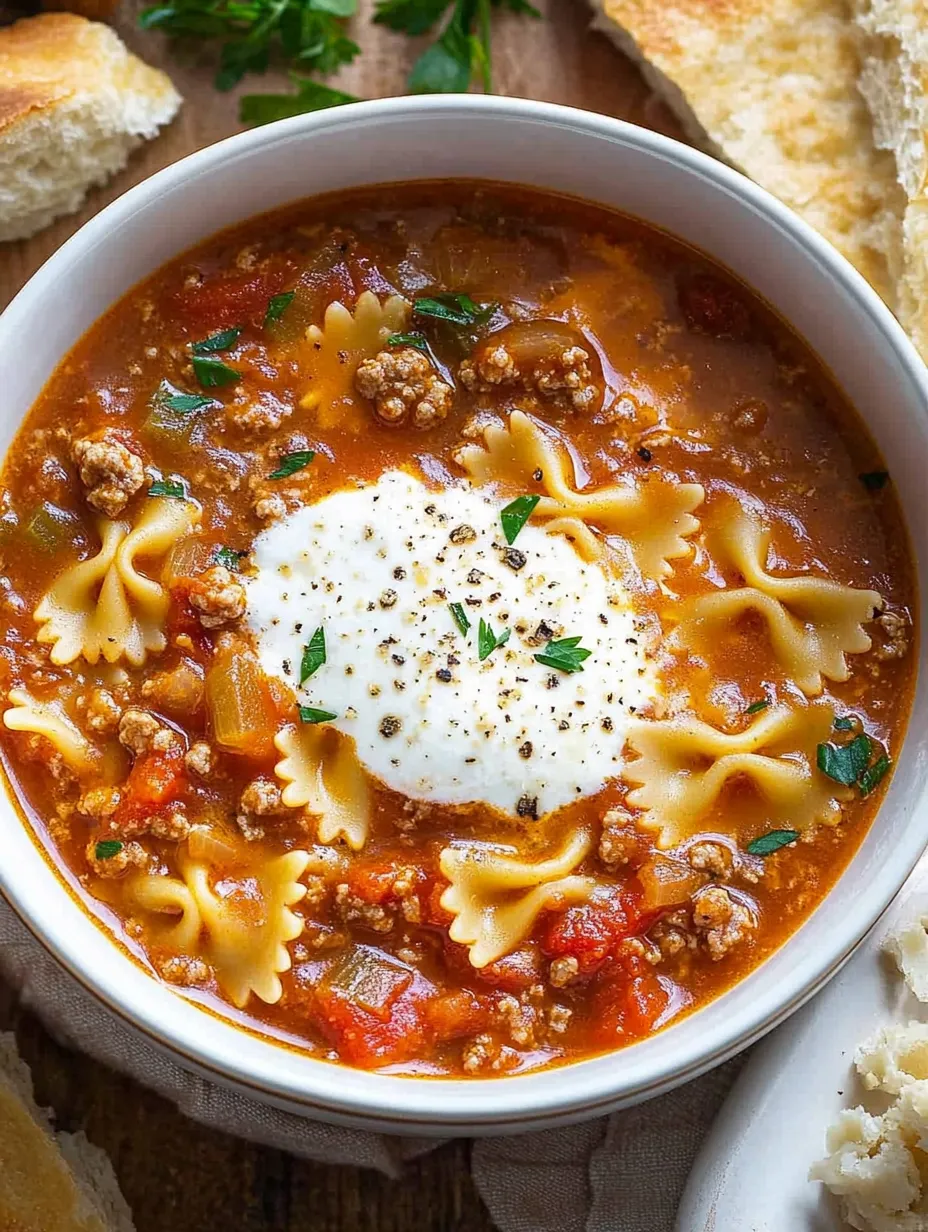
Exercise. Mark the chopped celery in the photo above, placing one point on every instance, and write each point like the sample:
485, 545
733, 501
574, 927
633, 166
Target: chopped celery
49, 528
166, 421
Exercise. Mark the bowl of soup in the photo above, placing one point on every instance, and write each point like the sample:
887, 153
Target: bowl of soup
460, 567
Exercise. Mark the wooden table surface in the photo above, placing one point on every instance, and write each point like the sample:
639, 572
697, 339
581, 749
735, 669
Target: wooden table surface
176, 1175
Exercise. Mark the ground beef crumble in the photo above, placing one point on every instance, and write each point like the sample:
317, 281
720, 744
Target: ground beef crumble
109, 471
217, 597
566, 379
404, 387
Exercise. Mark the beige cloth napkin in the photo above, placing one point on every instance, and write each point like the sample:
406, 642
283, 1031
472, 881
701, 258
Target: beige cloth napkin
623, 1173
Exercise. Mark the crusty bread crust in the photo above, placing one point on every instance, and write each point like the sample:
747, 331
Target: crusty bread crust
49, 1183
73, 104
894, 81
771, 85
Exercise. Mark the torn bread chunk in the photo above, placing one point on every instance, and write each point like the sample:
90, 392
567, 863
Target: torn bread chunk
894, 81
50, 1182
73, 104
771, 86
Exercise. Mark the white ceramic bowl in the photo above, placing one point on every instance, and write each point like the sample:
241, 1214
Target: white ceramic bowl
679, 190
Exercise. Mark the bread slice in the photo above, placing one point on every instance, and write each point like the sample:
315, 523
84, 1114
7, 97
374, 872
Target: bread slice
894, 81
73, 104
771, 86
50, 1182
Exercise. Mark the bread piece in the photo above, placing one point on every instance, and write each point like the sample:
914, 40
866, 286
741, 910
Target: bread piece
50, 1182
770, 85
73, 104
894, 81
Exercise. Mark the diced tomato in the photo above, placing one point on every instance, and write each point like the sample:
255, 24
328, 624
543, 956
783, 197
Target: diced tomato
628, 1002
590, 931
156, 779
369, 1040
220, 302
434, 913
454, 1014
512, 973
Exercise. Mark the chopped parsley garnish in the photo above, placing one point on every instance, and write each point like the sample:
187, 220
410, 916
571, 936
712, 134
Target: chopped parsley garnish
313, 655
460, 617
168, 487
845, 763
456, 309
487, 641
758, 706
220, 341
212, 373
416, 340
772, 841
107, 848
184, 403
873, 775
874, 480
843, 723
277, 305
309, 714
228, 557
516, 514
566, 655
290, 463
852, 764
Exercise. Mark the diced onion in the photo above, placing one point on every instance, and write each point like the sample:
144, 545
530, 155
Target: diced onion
204, 845
667, 882
241, 710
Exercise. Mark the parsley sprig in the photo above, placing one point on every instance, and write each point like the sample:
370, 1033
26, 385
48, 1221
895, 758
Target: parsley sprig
313, 655
453, 307
773, 840
514, 516
858, 762
488, 641
565, 654
290, 463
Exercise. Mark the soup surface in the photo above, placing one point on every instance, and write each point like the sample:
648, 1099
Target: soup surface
450, 628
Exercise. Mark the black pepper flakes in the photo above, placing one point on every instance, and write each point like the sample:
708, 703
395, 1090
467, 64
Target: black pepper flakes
390, 725
388, 598
606, 724
443, 674
644, 454
398, 660
527, 806
463, 534
399, 573
514, 559
474, 577
525, 750
538, 474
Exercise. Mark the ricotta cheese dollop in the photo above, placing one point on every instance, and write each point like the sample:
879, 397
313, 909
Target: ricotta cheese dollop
377, 568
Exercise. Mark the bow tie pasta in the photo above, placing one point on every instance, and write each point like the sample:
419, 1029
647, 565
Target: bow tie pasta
51, 720
496, 897
812, 622
323, 775
105, 607
682, 766
655, 518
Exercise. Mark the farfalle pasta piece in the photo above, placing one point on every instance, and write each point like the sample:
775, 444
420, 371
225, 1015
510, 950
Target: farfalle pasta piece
682, 765
812, 623
335, 351
246, 925
50, 719
495, 896
105, 606
655, 518
323, 775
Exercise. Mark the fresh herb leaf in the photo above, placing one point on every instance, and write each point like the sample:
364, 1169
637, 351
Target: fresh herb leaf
309, 34
212, 373
290, 463
487, 641
168, 487
228, 557
460, 617
107, 848
277, 305
310, 96
446, 66
757, 707
222, 341
843, 723
566, 655
309, 714
414, 340
772, 841
844, 763
874, 480
516, 514
412, 17
313, 655
873, 775
456, 309
185, 402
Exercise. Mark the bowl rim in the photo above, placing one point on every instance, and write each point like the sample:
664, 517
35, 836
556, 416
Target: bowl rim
540, 1098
